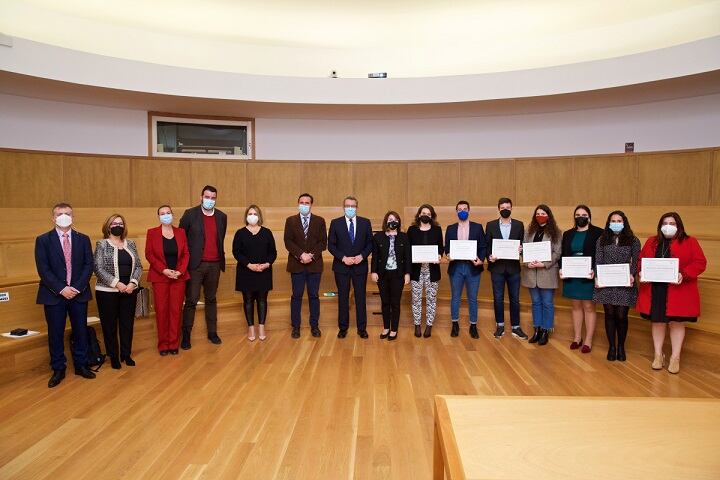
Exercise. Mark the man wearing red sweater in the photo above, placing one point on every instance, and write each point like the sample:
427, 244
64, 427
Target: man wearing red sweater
205, 227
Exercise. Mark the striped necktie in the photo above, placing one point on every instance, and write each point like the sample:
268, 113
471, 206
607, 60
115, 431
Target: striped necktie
305, 224
67, 253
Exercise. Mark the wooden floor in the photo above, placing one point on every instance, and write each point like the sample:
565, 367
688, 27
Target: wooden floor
304, 409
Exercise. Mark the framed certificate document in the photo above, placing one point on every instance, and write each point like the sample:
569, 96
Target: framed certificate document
536, 252
506, 249
613, 275
463, 249
425, 254
659, 270
576, 267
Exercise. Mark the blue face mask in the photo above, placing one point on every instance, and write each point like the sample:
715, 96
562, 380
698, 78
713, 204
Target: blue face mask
304, 209
208, 203
463, 215
616, 227
350, 212
166, 218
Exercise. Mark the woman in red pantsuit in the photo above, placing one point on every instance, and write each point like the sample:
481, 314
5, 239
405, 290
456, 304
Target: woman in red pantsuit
167, 251
669, 305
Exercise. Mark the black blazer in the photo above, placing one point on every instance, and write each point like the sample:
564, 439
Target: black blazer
50, 263
339, 245
434, 237
492, 231
193, 224
476, 233
381, 250
589, 247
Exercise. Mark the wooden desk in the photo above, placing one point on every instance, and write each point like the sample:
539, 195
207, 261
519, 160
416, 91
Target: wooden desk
479, 437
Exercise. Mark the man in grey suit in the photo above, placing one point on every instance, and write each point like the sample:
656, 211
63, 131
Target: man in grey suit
205, 227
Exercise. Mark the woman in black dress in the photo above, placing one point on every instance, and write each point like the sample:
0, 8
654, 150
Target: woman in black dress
254, 249
390, 267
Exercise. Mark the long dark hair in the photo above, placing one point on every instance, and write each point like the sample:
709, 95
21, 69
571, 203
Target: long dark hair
550, 227
433, 215
680, 235
625, 237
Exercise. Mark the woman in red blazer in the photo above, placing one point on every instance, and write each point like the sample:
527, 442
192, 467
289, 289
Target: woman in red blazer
166, 250
671, 304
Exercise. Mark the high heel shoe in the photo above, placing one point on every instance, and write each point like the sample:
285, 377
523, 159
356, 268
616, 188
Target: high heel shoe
392, 337
674, 365
658, 362
576, 344
384, 334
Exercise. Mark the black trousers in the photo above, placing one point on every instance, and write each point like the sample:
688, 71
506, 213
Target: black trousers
359, 283
391, 287
207, 276
117, 312
249, 301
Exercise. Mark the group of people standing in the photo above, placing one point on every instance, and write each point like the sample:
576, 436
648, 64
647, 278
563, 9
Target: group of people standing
187, 259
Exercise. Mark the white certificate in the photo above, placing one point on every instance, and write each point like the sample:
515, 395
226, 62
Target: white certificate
576, 267
463, 249
659, 270
506, 249
537, 252
425, 254
613, 275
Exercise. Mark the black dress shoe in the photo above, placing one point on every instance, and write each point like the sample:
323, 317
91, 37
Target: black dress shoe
428, 331
535, 336
544, 336
392, 337
295, 332
473, 331
56, 378
84, 372
342, 333
363, 333
129, 361
383, 336
418, 331
185, 344
164, 353
455, 329
174, 351
115, 363
315, 331
213, 337
611, 355
621, 353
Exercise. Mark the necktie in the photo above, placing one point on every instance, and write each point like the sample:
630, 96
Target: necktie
352, 231
305, 224
68, 257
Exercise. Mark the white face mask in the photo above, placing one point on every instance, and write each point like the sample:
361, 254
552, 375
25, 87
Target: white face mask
63, 221
668, 230
252, 219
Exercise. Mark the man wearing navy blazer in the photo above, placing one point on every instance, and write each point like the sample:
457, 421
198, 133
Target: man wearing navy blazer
465, 273
350, 243
64, 262
505, 271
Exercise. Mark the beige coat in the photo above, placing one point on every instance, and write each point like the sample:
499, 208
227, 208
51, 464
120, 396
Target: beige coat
547, 277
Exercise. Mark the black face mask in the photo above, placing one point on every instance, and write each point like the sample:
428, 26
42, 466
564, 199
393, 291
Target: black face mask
117, 230
505, 213
425, 218
582, 221
393, 225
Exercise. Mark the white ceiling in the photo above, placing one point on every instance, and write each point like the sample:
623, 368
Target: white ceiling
402, 37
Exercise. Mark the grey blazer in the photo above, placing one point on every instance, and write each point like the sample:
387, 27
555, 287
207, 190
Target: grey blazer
106, 266
547, 277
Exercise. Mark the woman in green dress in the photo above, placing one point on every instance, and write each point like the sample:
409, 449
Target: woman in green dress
581, 241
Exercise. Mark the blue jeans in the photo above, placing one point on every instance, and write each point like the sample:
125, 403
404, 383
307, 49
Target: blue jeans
513, 285
543, 307
463, 275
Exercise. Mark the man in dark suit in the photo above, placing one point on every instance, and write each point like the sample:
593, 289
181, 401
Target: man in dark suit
305, 240
205, 227
64, 261
465, 273
505, 271
350, 243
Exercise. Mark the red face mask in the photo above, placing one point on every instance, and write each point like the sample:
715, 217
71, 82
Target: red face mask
541, 219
